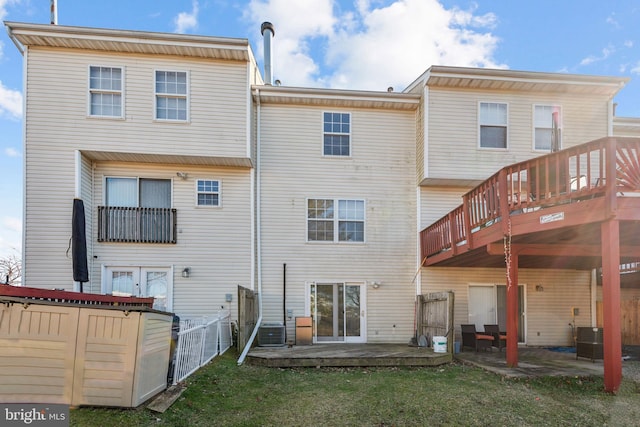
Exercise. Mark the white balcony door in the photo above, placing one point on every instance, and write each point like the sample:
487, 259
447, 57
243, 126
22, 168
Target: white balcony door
338, 311
156, 282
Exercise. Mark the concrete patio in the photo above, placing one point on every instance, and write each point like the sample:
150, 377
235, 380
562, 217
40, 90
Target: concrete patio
537, 362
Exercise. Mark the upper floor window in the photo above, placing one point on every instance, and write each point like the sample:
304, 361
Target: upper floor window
138, 192
337, 134
105, 91
208, 192
493, 125
330, 220
547, 128
171, 95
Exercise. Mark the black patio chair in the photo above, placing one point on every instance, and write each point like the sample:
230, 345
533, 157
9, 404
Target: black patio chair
475, 340
499, 338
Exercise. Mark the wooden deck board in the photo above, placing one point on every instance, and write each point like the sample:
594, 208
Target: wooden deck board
346, 355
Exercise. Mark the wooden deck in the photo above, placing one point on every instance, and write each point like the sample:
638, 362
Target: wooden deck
351, 355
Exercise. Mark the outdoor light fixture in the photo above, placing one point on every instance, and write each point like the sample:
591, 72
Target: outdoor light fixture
376, 285
186, 272
182, 175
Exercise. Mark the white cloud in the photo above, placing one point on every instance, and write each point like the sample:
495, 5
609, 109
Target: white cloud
636, 68
11, 152
12, 223
10, 102
613, 21
3, 7
186, 21
372, 47
605, 53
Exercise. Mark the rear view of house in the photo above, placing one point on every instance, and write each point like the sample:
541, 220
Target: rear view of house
198, 176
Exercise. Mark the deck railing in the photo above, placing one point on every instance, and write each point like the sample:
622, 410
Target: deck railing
577, 173
136, 225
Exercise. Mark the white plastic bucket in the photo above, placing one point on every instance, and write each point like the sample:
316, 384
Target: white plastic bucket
439, 344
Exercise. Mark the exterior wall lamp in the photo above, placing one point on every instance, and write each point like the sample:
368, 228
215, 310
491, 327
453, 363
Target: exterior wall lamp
186, 272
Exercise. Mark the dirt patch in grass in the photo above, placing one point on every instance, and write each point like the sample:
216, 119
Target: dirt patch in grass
224, 394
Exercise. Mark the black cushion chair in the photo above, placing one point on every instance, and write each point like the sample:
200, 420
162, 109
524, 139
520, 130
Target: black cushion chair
475, 340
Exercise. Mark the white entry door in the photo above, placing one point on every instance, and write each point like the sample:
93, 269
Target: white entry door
488, 305
482, 306
338, 311
156, 282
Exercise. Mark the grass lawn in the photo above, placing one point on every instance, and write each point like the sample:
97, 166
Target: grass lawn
224, 394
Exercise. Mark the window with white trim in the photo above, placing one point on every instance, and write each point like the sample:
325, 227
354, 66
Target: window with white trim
493, 125
335, 220
171, 95
208, 192
337, 134
544, 117
105, 91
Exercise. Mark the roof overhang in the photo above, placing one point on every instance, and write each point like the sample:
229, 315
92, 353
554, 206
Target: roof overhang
112, 156
517, 81
336, 98
125, 41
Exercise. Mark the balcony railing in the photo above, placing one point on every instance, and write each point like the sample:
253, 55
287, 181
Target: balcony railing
607, 167
136, 225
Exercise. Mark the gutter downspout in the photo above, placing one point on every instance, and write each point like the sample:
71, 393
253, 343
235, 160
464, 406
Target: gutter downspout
258, 254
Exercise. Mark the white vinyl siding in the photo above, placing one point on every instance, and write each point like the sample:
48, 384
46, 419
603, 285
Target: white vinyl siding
543, 116
548, 312
493, 121
382, 174
106, 86
453, 152
172, 95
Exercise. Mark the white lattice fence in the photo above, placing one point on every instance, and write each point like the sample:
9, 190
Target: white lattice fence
199, 341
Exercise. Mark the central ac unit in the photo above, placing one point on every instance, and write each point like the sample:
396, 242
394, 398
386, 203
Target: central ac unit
271, 334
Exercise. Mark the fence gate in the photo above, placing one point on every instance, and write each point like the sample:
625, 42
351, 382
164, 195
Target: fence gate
247, 315
435, 316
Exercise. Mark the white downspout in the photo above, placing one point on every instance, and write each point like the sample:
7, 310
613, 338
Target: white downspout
247, 347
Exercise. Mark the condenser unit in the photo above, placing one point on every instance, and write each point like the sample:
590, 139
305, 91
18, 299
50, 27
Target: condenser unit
271, 335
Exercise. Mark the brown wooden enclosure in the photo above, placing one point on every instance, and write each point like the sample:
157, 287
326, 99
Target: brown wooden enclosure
435, 316
630, 320
247, 315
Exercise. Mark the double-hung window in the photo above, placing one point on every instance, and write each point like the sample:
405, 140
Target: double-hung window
335, 220
171, 95
105, 91
208, 192
337, 134
493, 125
547, 128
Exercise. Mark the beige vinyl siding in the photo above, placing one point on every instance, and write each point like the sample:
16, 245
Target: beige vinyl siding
453, 129
215, 242
57, 99
436, 202
381, 172
57, 125
548, 312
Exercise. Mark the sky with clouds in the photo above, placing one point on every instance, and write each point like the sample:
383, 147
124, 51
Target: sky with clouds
355, 44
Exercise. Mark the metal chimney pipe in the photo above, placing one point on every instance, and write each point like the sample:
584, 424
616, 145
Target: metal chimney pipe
268, 66
54, 12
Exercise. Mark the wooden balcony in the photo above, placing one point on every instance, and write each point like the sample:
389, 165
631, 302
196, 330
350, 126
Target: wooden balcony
136, 225
553, 205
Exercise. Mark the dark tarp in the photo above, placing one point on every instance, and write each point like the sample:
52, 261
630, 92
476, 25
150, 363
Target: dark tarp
79, 243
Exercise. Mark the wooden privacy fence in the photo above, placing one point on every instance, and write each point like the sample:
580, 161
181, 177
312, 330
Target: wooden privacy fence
435, 316
629, 320
199, 341
247, 315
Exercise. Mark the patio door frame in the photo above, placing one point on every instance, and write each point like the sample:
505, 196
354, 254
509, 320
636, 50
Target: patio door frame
494, 308
362, 338
139, 279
